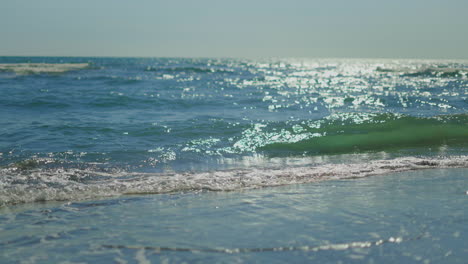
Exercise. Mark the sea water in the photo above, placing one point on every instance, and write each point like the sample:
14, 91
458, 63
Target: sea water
410, 217
78, 130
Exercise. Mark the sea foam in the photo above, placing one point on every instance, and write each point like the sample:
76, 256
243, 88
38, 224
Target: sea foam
62, 184
37, 68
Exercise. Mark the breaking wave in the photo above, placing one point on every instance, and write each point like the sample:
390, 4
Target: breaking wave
39, 68
356, 133
23, 183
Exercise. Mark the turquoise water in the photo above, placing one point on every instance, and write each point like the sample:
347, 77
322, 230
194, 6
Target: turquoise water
410, 217
79, 125
109, 133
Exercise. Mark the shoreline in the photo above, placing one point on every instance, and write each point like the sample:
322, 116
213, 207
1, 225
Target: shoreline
387, 218
349, 177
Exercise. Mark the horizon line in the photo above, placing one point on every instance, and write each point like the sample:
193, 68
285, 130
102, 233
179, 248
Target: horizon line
232, 57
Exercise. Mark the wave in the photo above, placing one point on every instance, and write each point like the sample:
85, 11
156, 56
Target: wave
188, 70
40, 68
327, 247
112, 79
373, 139
427, 72
27, 183
356, 133
51, 103
116, 100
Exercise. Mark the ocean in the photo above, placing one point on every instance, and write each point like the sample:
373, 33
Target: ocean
233, 160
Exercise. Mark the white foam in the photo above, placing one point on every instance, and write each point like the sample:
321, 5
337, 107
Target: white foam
37, 68
21, 186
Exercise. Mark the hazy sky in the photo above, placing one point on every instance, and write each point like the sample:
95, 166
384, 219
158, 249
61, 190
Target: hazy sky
240, 28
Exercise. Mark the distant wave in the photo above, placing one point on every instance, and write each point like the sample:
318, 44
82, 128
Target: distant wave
38, 68
22, 183
188, 69
427, 72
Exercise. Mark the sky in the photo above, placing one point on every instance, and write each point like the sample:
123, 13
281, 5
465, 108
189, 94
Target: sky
432, 29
